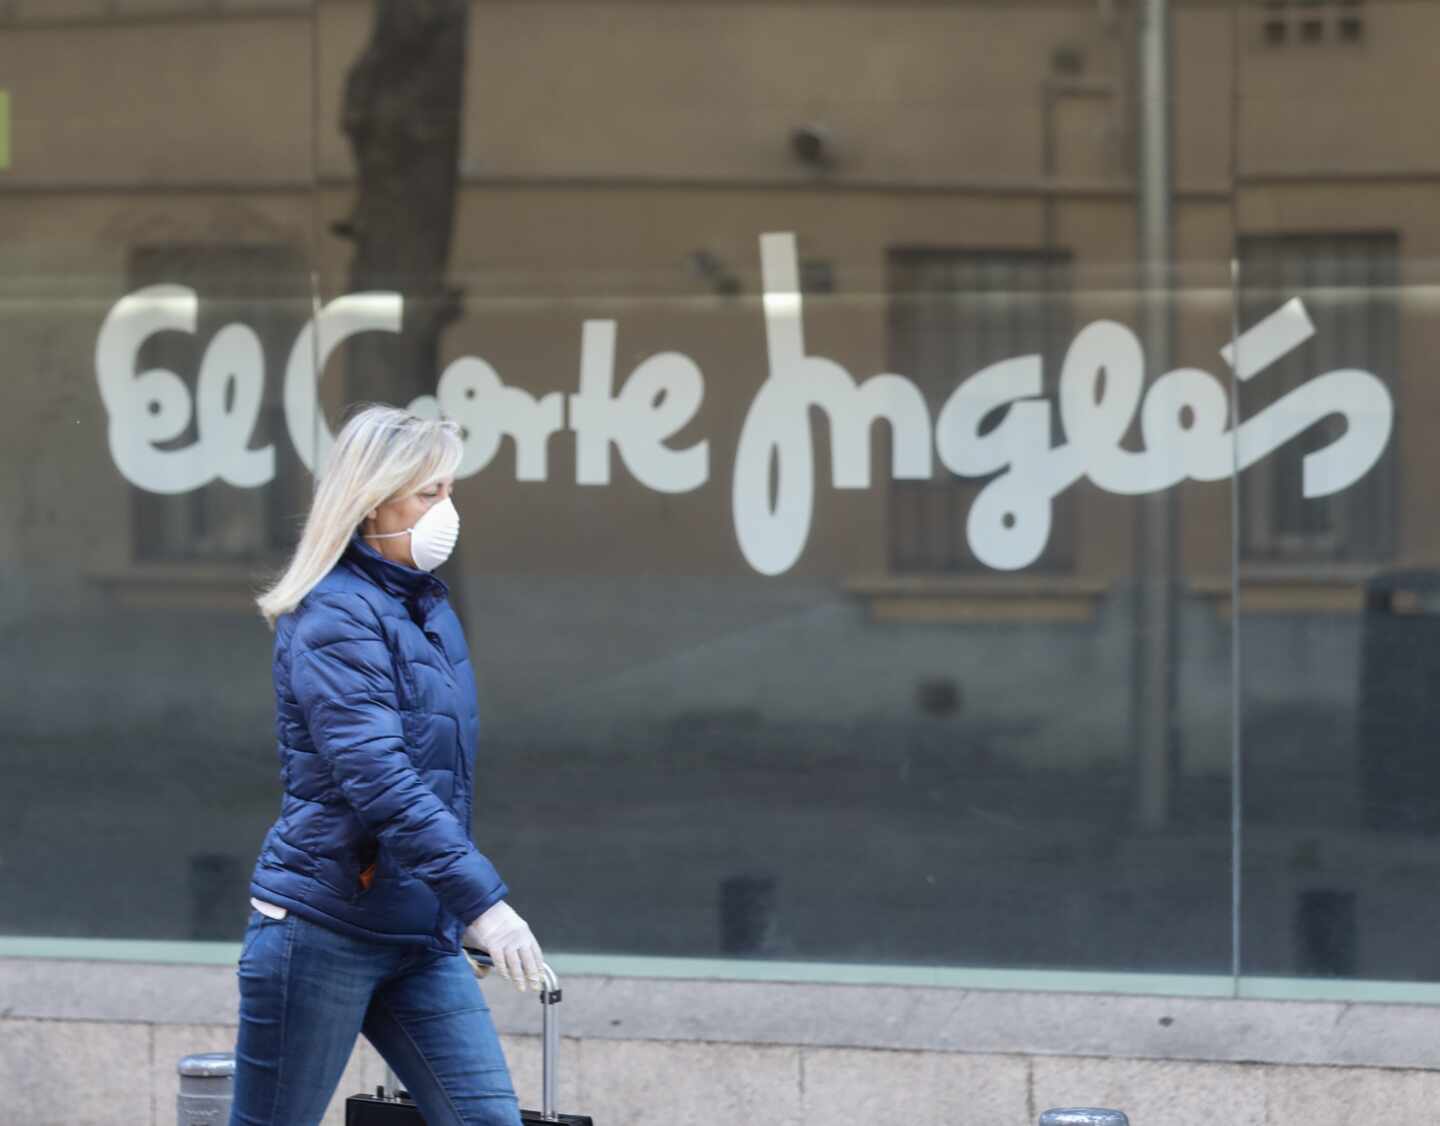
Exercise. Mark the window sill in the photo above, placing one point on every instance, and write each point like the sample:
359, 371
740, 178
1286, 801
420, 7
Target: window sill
1289, 589
973, 599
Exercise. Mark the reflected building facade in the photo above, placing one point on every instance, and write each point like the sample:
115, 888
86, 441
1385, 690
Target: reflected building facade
753, 669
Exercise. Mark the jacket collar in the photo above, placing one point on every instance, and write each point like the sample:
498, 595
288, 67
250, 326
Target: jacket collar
395, 578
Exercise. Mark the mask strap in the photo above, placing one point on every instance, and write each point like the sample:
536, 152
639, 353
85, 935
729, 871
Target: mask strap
385, 535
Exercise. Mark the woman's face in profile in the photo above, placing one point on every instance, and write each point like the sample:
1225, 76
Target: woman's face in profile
400, 515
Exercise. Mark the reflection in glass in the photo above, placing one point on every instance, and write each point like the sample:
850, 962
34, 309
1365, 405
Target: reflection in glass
894, 750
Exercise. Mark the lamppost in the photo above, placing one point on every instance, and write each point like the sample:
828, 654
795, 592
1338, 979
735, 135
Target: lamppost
1156, 742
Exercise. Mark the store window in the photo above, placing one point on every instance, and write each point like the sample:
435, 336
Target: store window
890, 751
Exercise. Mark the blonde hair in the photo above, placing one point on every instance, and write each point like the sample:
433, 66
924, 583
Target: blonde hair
382, 453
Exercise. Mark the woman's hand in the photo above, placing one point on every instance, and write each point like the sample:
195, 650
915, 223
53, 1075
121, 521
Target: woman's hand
506, 937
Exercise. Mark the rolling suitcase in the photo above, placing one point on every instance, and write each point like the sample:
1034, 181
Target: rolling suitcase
393, 1107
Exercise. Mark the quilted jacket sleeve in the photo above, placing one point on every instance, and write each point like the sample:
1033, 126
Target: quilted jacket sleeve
344, 680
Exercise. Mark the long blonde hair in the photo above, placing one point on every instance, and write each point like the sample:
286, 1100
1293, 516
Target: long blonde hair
382, 453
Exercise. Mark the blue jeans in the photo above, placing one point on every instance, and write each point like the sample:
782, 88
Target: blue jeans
306, 993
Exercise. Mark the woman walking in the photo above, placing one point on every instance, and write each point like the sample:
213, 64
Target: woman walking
368, 880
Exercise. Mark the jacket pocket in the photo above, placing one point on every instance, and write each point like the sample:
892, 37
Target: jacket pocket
362, 868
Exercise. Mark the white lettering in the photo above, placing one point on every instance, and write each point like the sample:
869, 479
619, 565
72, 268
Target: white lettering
472, 394
776, 441
337, 321
1185, 417
661, 396
1009, 523
155, 406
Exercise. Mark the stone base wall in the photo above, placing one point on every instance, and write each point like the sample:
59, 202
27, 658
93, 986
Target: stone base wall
87, 1043
96, 1073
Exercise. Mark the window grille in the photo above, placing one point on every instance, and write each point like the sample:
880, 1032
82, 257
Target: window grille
1285, 23
952, 313
263, 286
1348, 284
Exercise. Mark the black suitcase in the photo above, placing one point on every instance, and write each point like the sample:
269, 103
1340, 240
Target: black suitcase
393, 1107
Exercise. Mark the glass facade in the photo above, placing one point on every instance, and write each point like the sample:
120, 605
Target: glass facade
945, 480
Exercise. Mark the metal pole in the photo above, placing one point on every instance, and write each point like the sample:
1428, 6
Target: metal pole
207, 1088
1155, 549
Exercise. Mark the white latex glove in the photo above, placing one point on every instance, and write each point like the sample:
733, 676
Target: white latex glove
506, 937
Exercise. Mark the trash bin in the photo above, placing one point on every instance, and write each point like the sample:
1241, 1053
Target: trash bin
1398, 711
207, 1083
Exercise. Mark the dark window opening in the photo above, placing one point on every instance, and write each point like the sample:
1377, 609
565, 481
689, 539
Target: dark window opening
953, 313
1348, 284
263, 286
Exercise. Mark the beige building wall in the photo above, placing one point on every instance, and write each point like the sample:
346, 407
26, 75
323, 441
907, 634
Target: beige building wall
606, 143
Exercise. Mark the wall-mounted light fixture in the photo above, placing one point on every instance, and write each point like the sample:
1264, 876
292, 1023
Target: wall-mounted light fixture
717, 275
812, 144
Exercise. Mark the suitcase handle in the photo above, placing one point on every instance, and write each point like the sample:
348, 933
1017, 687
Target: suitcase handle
550, 996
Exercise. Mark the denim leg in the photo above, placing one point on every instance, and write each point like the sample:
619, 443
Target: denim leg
432, 1025
303, 995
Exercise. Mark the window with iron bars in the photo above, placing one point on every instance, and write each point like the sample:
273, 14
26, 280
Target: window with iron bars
263, 286
1348, 284
1286, 23
952, 313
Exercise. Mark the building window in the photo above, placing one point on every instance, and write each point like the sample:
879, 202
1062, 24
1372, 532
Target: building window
1348, 284
263, 286
1311, 22
952, 313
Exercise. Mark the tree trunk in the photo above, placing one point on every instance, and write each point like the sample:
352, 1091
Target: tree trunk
403, 104
404, 100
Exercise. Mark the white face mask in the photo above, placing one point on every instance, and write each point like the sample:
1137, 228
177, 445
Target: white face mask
433, 537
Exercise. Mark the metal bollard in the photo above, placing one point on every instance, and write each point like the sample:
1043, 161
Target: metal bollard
207, 1085
1083, 1116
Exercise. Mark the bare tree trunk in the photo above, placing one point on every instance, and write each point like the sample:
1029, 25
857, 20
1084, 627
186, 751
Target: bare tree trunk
404, 100
403, 104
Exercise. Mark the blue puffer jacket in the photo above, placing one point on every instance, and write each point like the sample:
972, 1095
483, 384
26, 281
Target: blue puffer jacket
377, 724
